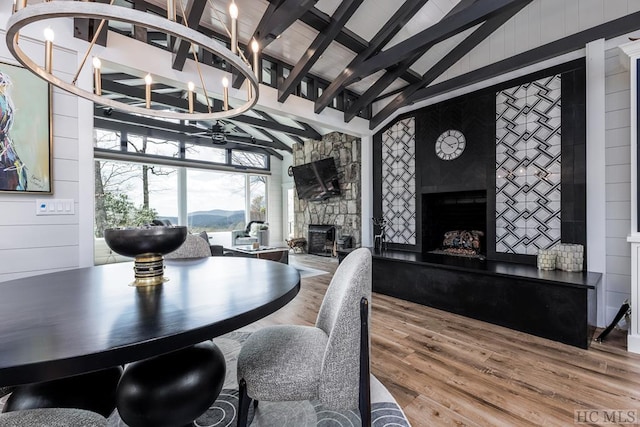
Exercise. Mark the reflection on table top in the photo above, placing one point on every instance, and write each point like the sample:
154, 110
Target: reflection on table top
75, 321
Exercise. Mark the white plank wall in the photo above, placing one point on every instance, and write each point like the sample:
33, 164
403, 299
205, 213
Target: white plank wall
618, 183
38, 244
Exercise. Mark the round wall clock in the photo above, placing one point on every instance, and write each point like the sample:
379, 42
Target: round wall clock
450, 144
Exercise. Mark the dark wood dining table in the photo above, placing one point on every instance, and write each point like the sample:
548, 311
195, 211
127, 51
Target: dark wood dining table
76, 321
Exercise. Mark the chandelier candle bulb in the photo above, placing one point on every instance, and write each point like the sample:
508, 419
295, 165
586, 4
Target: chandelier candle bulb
148, 80
225, 91
20, 4
255, 47
171, 10
233, 12
49, 35
97, 77
191, 87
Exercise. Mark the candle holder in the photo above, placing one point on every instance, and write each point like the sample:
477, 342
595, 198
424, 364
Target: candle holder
547, 259
570, 256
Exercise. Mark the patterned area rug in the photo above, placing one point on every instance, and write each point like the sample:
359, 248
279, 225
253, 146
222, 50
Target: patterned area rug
385, 412
308, 271
384, 409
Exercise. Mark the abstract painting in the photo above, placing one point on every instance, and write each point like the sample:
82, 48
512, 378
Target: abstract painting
25, 131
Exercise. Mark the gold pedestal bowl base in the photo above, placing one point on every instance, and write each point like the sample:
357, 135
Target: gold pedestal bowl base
148, 270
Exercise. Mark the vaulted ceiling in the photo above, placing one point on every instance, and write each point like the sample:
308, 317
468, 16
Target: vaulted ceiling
367, 58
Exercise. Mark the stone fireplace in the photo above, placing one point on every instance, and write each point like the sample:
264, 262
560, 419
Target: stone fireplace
460, 210
342, 212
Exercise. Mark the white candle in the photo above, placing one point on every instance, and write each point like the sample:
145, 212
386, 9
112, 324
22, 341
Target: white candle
225, 91
171, 10
233, 12
191, 87
255, 47
148, 80
97, 64
49, 35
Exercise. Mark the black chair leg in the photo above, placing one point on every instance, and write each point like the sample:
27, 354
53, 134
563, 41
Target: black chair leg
365, 375
243, 404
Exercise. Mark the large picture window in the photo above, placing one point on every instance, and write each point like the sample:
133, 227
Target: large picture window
192, 187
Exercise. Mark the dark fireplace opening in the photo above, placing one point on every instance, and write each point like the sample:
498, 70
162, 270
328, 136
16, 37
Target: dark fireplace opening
321, 239
444, 212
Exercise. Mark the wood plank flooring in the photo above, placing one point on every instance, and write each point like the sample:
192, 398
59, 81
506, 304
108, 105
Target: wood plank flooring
445, 369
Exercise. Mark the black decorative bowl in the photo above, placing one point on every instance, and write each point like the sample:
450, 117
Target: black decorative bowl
147, 244
134, 241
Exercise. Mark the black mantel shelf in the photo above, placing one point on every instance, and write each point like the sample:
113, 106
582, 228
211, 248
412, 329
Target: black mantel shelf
557, 305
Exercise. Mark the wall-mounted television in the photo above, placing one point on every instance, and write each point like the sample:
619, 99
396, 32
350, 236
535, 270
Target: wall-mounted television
317, 180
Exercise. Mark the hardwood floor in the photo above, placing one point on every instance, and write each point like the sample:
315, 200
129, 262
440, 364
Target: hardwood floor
445, 369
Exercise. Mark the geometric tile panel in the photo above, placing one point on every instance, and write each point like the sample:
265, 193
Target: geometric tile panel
528, 158
399, 182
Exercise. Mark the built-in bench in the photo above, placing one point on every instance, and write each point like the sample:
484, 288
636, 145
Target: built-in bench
557, 305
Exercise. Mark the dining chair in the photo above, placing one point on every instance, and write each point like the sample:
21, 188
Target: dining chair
193, 247
52, 417
93, 392
328, 362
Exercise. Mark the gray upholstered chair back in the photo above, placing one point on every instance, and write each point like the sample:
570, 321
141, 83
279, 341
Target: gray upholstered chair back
193, 247
339, 317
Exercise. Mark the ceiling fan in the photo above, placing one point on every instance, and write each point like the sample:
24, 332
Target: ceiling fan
219, 132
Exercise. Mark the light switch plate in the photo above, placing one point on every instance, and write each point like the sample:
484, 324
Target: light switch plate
55, 207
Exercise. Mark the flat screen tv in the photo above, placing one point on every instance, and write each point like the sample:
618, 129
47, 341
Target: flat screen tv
317, 180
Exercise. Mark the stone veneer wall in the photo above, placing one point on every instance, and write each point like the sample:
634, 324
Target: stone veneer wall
343, 211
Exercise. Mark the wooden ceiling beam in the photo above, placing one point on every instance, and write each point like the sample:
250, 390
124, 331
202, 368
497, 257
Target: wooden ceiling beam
289, 130
194, 11
343, 13
386, 33
380, 85
277, 19
474, 14
279, 16
173, 131
392, 74
296, 138
278, 143
178, 102
611, 29
319, 20
464, 47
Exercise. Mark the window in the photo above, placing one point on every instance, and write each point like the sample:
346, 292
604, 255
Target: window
106, 139
268, 73
206, 154
215, 200
130, 194
248, 159
184, 188
306, 88
258, 198
146, 145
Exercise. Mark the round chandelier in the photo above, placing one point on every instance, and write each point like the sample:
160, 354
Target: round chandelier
25, 15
